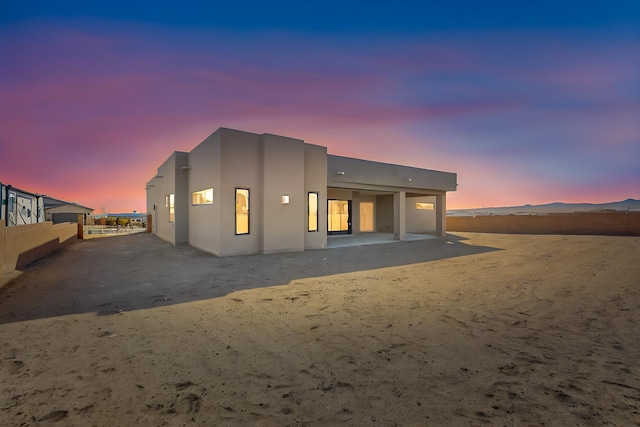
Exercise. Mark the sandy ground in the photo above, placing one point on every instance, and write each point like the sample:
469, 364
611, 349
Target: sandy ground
475, 330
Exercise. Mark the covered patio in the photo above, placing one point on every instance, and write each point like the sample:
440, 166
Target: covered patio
372, 239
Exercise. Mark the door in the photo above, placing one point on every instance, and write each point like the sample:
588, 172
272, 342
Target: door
339, 217
366, 217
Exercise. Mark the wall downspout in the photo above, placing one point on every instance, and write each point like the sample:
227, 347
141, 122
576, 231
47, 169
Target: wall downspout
6, 211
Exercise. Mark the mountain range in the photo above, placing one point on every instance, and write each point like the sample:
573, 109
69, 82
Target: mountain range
556, 207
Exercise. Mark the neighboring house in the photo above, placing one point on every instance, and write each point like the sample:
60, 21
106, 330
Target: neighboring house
19, 207
59, 211
244, 193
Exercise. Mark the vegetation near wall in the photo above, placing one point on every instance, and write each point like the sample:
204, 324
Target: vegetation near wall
599, 223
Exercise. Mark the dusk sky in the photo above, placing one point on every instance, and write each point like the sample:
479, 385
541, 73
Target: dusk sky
528, 102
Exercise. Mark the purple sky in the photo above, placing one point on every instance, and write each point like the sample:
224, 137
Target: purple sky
527, 113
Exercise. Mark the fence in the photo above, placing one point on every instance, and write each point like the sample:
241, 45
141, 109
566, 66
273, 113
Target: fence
600, 223
93, 231
91, 227
23, 244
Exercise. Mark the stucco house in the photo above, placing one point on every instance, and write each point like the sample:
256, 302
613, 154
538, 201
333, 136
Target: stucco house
245, 193
59, 211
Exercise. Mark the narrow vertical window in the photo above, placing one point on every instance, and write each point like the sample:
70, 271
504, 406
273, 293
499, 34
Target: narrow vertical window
242, 211
172, 211
313, 211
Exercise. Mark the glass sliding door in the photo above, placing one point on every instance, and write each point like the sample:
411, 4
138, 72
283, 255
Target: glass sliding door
339, 217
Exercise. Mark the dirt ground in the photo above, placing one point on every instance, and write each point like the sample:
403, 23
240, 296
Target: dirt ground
472, 330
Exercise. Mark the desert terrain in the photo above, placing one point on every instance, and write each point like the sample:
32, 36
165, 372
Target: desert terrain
471, 330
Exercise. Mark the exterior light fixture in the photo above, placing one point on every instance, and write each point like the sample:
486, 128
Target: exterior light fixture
407, 180
340, 173
285, 199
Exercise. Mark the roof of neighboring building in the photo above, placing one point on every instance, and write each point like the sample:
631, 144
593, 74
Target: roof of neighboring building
123, 215
20, 190
50, 202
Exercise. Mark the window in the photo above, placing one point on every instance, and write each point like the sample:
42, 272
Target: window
242, 211
424, 206
202, 197
313, 212
172, 211
366, 217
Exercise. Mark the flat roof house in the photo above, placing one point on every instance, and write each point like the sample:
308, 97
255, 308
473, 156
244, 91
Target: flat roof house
59, 211
243, 193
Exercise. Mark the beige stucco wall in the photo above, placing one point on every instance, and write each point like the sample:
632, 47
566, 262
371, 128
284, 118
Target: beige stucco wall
335, 193
182, 198
33, 240
346, 172
315, 180
283, 168
283, 225
270, 166
384, 213
420, 221
240, 167
170, 179
204, 220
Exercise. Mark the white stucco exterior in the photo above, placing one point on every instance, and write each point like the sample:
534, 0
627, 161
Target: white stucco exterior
280, 175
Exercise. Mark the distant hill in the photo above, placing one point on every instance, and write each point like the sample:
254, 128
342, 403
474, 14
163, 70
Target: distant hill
557, 207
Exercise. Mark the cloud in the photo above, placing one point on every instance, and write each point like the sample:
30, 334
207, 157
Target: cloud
100, 108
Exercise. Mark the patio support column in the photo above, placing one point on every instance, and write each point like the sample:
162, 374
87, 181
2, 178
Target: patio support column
441, 215
399, 215
355, 213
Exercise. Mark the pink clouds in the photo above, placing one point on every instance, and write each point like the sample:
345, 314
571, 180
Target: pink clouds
99, 110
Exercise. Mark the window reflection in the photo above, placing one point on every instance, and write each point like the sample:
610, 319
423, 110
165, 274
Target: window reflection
313, 212
202, 197
242, 211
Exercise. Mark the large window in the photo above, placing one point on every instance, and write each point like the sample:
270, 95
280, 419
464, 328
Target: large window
172, 211
313, 211
202, 197
242, 211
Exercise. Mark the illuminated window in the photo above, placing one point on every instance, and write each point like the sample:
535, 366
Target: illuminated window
242, 211
202, 197
424, 206
172, 211
366, 217
166, 201
313, 212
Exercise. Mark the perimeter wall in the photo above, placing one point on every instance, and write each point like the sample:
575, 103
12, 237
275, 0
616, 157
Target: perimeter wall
602, 223
23, 244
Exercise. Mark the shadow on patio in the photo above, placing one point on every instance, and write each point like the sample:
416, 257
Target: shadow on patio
141, 271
